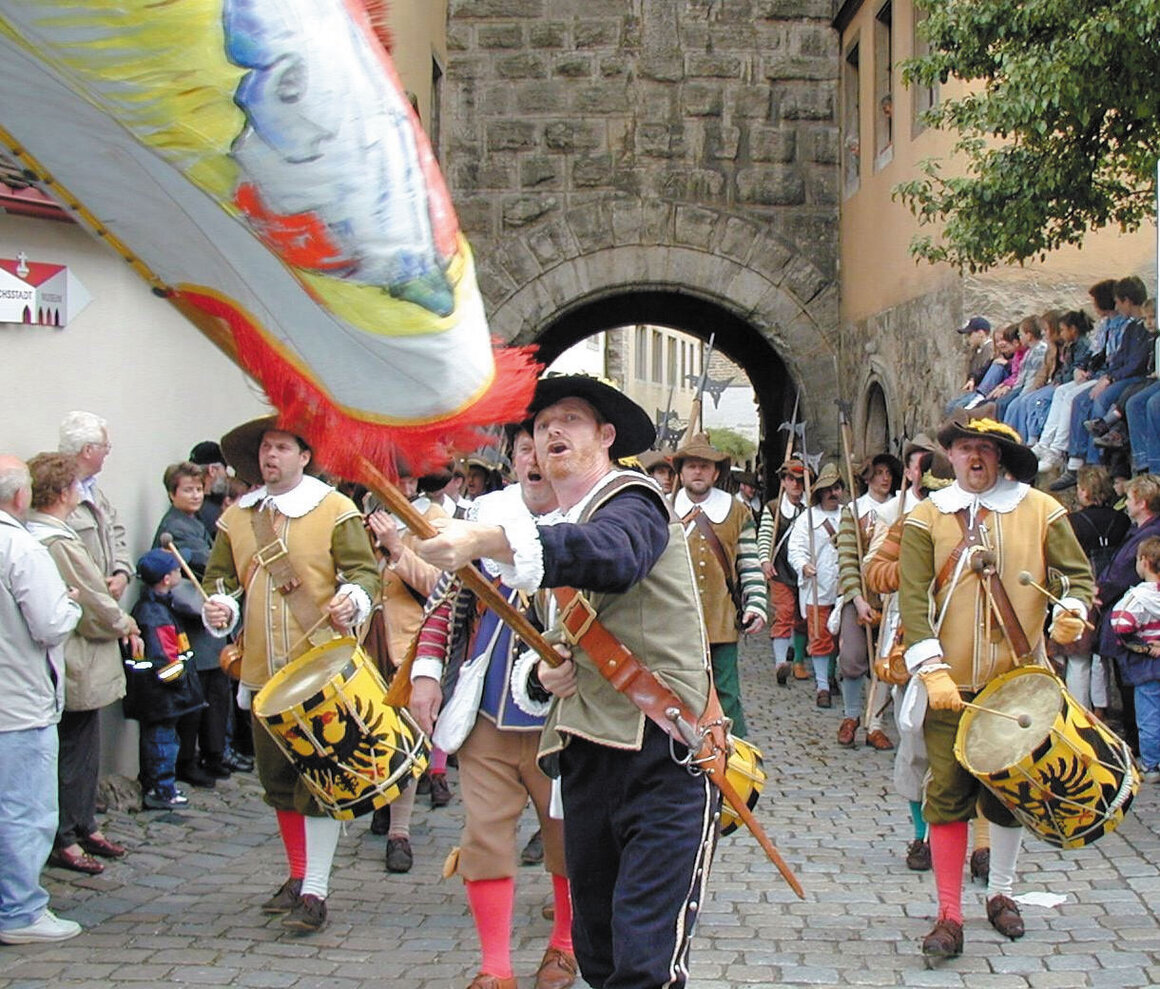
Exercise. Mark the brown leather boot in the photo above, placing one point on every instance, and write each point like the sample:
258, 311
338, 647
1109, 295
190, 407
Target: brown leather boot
945, 940
485, 981
846, 732
557, 970
1003, 913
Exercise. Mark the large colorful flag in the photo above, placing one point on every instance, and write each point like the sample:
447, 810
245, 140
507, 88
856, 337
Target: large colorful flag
259, 163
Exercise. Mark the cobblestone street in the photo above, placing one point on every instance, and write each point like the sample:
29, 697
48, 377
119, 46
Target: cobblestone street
183, 906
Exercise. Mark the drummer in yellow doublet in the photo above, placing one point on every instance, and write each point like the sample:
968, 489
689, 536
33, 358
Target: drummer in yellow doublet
969, 619
296, 553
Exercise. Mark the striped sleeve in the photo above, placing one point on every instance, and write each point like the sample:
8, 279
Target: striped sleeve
754, 591
765, 532
849, 564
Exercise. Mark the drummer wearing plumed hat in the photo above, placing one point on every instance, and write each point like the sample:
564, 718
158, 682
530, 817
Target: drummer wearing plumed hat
787, 625
813, 553
723, 541
291, 565
969, 619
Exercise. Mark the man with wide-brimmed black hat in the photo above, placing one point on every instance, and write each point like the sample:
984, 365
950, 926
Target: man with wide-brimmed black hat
970, 620
723, 541
296, 553
639, 829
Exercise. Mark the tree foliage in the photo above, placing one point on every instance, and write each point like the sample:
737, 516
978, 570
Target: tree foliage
732, 442
1060, 128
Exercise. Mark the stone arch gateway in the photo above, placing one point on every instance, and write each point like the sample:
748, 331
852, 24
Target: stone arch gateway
655, 157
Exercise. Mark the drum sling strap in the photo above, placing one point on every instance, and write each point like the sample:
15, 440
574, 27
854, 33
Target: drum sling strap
973, 536
274, 556
705, 737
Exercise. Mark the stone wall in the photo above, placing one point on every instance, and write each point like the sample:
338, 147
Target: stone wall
913, 352
593, 146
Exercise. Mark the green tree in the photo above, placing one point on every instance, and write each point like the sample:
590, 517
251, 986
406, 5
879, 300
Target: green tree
733, 443
1060, 131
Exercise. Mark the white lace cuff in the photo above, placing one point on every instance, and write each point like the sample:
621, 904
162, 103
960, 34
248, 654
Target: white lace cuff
362, 603
922, 652
526, 572
521, 673
235, 614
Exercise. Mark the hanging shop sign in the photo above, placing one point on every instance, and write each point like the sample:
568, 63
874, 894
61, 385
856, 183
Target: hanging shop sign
37, 293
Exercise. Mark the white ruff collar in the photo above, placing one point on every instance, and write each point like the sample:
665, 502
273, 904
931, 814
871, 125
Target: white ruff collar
716, 506
1003, 497
300, 500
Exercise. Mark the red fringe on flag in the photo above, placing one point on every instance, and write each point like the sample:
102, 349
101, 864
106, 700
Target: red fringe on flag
341, 440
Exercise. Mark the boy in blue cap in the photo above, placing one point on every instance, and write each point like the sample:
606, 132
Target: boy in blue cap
160, 688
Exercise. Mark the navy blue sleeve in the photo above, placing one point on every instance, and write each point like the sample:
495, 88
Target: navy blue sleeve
1135, 354
610, 552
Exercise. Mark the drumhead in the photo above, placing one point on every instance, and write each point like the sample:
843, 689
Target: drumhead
305, 677
993, 743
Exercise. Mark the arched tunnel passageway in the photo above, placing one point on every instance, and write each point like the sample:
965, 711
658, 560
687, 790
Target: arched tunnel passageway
733, 336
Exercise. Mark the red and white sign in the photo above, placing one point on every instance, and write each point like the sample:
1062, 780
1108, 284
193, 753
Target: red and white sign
37, 293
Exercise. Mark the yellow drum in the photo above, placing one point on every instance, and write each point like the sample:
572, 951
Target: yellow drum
745, 773
327, 712
1065, 775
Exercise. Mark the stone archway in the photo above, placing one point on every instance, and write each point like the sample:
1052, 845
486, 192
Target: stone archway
777, 324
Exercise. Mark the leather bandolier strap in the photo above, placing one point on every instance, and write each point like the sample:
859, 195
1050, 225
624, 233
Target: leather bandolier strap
274, 556
973, 536
704, 736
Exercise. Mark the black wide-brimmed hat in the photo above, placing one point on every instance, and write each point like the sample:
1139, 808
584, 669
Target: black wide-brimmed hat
240, 446
634, 429
1015, 456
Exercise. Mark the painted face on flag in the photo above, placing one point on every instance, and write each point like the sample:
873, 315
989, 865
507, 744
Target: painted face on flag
314, 120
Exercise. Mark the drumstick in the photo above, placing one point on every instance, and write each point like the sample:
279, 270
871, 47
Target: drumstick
166, 541
1023, 719
1025, 579
315, 627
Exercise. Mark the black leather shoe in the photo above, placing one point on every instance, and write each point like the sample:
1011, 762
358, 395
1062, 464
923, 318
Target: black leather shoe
399, 855
195, 776
283, 901
215, 768
1114, 439
307, 915
1097, 427
381, 820
235, 762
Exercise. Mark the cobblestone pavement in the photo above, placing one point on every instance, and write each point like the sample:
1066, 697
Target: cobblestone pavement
183, 906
